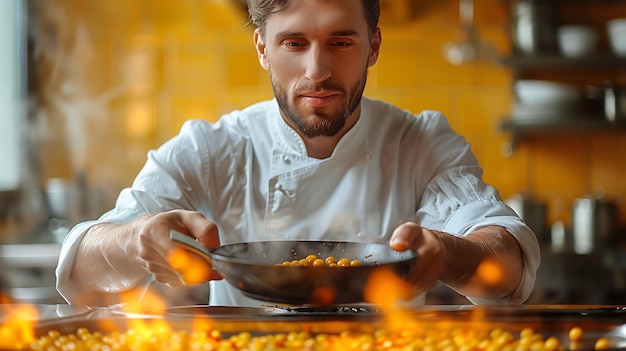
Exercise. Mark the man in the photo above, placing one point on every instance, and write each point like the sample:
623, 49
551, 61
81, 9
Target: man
317, 162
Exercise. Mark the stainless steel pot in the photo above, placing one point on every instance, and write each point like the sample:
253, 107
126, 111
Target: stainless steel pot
611, 99
533, 30
533, 213
614, 102
594, 222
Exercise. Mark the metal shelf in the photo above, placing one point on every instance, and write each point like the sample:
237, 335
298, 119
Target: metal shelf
30, 255
599, 61
551, 65
521, 128
551, 125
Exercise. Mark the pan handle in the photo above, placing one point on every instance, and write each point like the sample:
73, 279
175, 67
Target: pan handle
190, 244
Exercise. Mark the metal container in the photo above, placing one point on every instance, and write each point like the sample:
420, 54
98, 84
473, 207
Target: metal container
533, 213
533, 29
614, 102
593, 224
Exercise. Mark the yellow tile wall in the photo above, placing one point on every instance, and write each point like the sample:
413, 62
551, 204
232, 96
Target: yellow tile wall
143, 67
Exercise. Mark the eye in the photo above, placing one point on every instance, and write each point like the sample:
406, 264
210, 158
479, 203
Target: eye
342, 43
294, 44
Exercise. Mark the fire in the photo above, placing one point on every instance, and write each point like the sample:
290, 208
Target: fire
148, 329
19, 321
4, 299
146, 333
148, 303
200, 324
191, 267
384, 288
323, 296
17, 330
490, 272
179, 259
402, 331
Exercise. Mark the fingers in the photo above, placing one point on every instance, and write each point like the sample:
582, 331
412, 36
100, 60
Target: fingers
168, 262
204, 231
424, 275
193, 224
207, 234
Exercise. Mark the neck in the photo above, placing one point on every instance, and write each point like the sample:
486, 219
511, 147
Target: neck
323, 147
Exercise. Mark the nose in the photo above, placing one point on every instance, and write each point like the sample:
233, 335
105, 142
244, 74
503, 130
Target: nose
318, 64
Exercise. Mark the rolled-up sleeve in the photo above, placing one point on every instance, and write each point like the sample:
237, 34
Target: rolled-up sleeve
65, 286
164, 183
458, 202
493, 212
69, 289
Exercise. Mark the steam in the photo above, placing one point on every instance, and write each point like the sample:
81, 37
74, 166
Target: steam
63, 53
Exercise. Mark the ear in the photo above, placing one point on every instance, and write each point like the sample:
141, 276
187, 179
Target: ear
259, 44
375, 44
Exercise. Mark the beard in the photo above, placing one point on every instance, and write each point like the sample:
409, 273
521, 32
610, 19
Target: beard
321, 122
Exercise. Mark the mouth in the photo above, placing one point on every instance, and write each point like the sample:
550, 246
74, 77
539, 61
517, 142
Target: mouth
319, 98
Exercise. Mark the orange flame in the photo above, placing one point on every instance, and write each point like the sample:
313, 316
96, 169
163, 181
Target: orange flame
323, 296
385, 287
490, 272
18, 323
4, 299
136, 302
17, 330
192, 268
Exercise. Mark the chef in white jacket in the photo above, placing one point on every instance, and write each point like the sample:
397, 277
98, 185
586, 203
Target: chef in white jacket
317, 162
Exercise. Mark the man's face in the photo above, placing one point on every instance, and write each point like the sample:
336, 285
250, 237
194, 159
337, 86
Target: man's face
318, 53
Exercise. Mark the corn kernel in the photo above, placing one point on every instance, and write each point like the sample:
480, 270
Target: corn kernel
575, 334
602, 344
408, 339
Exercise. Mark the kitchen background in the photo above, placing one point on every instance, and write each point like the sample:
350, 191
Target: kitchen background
110, 80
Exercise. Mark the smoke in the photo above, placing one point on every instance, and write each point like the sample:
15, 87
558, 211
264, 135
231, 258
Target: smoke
65, 62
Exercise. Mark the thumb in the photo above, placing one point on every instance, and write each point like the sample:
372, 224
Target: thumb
405, 236
203, 230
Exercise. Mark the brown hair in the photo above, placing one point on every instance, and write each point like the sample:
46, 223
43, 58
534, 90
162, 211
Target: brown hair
260, 9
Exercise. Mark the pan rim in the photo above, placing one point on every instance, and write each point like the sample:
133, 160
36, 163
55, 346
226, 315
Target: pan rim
410, 254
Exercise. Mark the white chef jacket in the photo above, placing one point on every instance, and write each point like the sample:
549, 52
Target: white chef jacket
250, 174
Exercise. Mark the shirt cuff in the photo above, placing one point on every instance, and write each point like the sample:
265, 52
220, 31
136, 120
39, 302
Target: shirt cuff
70, 291
494, 212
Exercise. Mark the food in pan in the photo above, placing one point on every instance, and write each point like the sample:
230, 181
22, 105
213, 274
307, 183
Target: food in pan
382, 339
330, 261
250, 267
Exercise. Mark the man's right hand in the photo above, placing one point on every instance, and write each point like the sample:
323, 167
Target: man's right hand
118, 257
167, 261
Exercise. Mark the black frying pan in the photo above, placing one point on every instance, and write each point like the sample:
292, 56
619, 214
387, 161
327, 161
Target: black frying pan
251, 267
